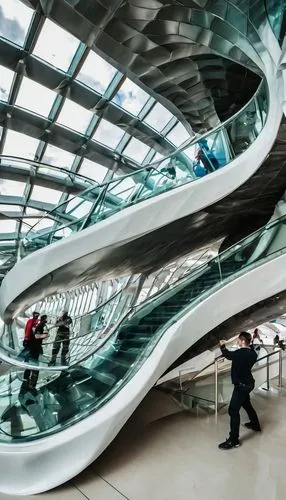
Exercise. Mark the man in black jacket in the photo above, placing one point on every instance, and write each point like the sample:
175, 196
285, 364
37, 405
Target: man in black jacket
243, 360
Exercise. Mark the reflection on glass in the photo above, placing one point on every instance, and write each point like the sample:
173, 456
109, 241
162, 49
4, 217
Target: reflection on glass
96, 73
158, 117
17, 144
15, 20
11, 188
131, 97
93, 170
35, 97
136, 150
108, 134
178, 135
40, 193
74, 116
6, 80
56, 46
58, 157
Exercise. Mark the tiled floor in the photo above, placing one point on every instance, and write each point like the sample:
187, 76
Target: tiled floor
176, 458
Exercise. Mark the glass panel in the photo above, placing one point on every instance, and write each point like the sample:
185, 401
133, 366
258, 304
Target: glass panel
108, 134
93, 170
15, 20
12, 188
41, 224
136, 150
124, 188
47, 195
77, 207
178, 135
35, 97
33, 211
56, 46
22, 145
99, 79
157, 157
7, 226
58, 157
10, 208
5, 83
131, 97
74, 116
158, 117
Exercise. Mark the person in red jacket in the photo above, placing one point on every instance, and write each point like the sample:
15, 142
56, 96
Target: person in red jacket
30, 326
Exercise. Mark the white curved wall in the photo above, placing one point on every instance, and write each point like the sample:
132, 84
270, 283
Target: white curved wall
85, 440
147, 216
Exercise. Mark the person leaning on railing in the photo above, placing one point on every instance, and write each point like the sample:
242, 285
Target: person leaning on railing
243, 360
62, 340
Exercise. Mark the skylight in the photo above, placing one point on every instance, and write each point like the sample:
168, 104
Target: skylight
17, 144
35, 97
6, 80
58, 157
74, 116
131, 97
108, 134
41, 193
15, 21
158, 117
178, 135
7, 226
93, 170
11, 188
96, 73
56, 46
136, 150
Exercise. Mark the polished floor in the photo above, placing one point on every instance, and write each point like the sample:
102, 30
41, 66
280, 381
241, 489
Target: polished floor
165, 455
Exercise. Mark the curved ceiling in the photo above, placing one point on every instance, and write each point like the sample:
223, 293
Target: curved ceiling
96, 87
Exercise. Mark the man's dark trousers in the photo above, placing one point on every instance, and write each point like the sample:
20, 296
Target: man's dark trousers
241, 399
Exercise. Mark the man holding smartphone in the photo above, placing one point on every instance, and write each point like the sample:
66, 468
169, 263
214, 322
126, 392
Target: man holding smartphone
243, 360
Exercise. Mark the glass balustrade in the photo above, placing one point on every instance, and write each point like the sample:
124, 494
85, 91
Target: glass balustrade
275, 10
89, 326
211, 388
81, 390
204, 155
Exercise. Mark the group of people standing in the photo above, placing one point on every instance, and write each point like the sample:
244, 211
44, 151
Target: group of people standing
36, 331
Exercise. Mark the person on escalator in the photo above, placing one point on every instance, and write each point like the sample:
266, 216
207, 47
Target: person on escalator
243, 360
256, 341
62, 340
35, 346
30, 327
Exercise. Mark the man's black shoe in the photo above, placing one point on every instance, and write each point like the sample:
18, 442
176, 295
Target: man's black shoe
228, 445
250, 425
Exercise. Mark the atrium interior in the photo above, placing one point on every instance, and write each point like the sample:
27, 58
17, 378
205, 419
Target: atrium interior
142, 220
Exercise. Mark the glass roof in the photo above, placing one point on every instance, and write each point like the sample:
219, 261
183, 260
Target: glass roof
65, 106
15, 21
90, 77
56, 46
35, 97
